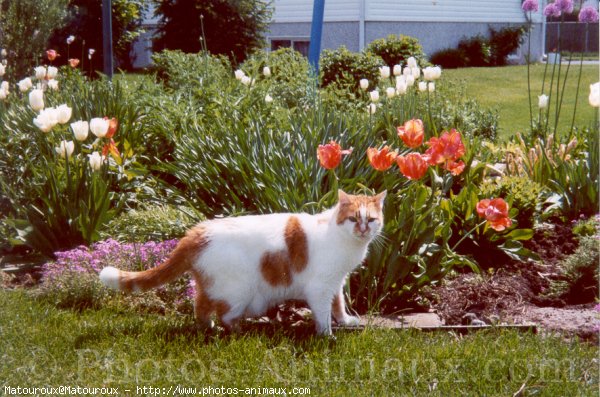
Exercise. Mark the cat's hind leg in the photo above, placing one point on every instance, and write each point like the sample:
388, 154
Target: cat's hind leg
338, 309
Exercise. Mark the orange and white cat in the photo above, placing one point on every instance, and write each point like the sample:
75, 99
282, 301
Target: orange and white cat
244, 265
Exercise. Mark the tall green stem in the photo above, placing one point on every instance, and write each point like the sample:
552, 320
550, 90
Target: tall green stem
468, 234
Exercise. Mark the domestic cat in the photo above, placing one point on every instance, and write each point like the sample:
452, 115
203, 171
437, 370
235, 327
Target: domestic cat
244, 265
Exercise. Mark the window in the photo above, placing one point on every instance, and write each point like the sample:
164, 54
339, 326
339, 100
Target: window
299, 44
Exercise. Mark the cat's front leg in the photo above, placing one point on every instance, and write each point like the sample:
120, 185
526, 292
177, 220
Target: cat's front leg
320, 305
338, 308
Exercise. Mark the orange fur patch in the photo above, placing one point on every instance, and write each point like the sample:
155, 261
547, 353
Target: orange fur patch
277, 268
297, 244
180, 261
338, 306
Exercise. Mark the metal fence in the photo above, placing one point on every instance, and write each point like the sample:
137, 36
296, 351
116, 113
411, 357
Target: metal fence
574, 36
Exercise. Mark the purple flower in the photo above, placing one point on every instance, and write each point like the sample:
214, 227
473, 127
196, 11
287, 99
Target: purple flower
530, 5
588, 14
552, 10
597, 307
565, 5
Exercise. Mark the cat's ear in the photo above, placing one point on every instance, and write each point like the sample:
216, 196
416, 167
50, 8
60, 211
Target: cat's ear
380, 198
343, 197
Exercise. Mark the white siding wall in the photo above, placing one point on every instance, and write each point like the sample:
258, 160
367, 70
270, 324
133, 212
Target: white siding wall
403, 10
445, 10
301, 10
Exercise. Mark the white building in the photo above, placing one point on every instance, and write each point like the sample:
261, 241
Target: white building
437, 24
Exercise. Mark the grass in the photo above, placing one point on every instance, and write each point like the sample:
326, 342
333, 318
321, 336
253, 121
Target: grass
45, 346
505, 89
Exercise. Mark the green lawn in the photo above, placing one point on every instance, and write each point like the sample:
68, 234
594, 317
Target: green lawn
505, 89
44, 346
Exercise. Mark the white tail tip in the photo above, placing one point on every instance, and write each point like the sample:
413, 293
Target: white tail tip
110, 277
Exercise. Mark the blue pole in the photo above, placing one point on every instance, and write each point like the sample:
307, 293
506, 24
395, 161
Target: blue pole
107, 52
314, 50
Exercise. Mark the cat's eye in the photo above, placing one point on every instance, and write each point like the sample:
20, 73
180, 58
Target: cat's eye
352, 219
371, 220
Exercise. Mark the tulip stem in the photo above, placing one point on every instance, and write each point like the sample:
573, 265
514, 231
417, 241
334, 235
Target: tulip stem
468, 234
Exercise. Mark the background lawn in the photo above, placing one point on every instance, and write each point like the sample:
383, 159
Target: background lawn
45, 346
505, 89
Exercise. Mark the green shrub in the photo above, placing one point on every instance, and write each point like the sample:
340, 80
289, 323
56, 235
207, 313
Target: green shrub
476, 50
580, 273
521, 193
151, 223
504, 42
181, 71
587, 227
395, 50
346, 68
449, 58
290, 81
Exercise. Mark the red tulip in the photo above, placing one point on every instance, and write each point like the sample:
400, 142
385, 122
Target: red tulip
413, 165
111, 148
449, 146
455, 168
73, 62
330, 155
51, 54
412, 133
495, 211
382, 159
113, 124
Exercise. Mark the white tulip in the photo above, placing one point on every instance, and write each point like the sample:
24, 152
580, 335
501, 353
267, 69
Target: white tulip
63, 114
428, 73
412, 62
46, 120
374, 95
397, 70
51, 72
437, 72
36, 99
3, 53
594, 97
372, 108
70, 39
268, 98
431, 86
247, 80
390, 92
25, 84
239, 74
410, 80
384, 72
53, 84
40, 72
2, 70
3, 94
96, 161
543, 101
4, 86
65, 149
267, 71
416, 72
99, 127
80, 129
407, 71
422, 86
364, 84
401, 87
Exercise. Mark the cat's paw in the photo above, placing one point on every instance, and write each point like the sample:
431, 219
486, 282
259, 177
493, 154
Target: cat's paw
350, 321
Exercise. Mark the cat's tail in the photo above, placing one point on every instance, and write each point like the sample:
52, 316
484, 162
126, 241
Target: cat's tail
180, 261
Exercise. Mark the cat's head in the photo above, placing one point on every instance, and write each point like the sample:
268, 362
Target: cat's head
360, 216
